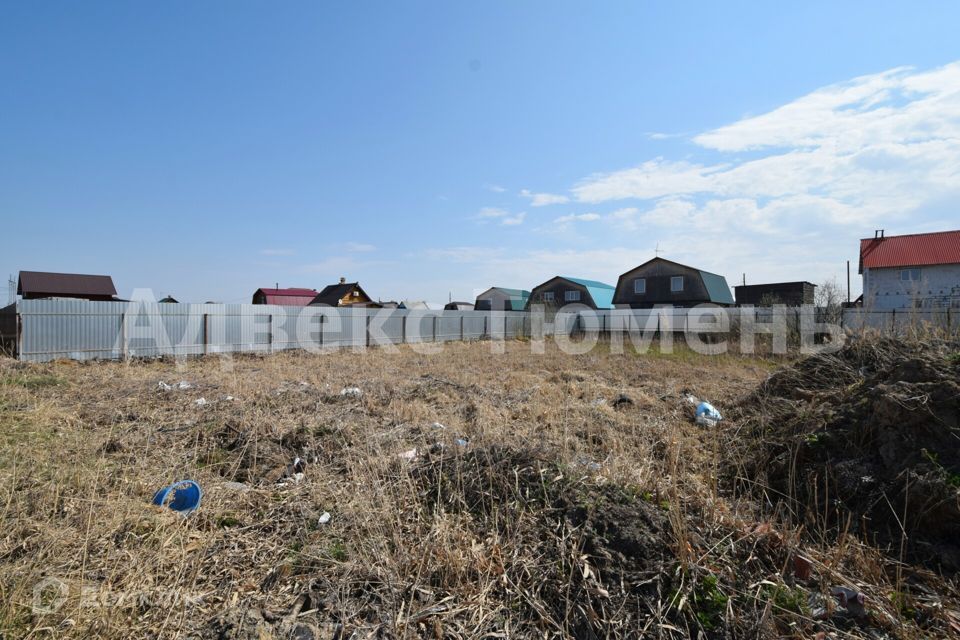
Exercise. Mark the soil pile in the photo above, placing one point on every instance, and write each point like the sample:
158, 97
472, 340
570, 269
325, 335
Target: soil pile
865, 440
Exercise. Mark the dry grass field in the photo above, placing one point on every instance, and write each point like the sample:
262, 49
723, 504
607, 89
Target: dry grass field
470, 495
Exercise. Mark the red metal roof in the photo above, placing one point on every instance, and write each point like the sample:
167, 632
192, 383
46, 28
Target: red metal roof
288, 297
915, 250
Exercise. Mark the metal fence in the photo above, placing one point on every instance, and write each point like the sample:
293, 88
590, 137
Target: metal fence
41, 330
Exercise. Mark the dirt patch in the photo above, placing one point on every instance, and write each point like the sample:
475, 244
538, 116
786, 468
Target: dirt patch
867, 441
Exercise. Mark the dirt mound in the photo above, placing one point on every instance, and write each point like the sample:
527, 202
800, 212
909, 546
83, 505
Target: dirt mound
866, 440
597, 551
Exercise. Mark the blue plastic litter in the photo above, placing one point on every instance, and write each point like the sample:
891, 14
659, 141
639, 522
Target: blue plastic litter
708, 411
186, 496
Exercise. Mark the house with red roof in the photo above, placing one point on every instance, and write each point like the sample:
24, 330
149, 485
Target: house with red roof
916, 271
292, 297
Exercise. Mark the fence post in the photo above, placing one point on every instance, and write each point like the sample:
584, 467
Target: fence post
206, 329
461, 328
485, 326
436, 323
367, 322
124, 345
270, 333
893, 322
403, 329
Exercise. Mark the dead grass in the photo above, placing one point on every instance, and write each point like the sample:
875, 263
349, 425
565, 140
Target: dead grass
563, 515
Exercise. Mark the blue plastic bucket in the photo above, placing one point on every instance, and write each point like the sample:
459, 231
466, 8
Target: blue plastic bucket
186, 496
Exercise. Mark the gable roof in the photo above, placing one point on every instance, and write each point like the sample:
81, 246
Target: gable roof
292, 291
333, 293
45, 283
519, 296
601, 292
913, 250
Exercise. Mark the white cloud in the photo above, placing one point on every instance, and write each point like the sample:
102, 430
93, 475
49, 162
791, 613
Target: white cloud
277, 252
543, 199
494, 187
514, 220
492, 212
573, 217
878, 148
359, 247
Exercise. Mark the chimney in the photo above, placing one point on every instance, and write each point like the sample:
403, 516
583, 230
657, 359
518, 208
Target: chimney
343, 280
878, 234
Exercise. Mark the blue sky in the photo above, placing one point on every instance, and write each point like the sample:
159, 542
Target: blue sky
428, 148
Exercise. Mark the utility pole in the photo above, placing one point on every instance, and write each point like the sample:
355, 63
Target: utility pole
11, 290
848, 282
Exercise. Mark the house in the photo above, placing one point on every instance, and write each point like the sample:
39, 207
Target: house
502, 299
792, 294
168, 300
663, 282
33, 285
560, 291
458, 306
344, 294
920, 270
293, 297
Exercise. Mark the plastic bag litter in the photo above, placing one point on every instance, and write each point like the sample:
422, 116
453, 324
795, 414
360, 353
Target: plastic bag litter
324, 518
201, 402
408, 455
351, 392
707, 415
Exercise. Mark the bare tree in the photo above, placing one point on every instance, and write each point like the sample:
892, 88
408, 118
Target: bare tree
828, 300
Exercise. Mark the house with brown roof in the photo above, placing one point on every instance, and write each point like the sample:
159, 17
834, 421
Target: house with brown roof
344, 294
290, 297
34, 285
916, 271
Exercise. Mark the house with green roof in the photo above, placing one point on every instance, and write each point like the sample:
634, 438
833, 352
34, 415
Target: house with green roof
502, 299
560, 291
660, 282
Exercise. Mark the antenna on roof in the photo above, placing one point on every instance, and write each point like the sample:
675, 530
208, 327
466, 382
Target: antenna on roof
277, 285
657, 251
11, 290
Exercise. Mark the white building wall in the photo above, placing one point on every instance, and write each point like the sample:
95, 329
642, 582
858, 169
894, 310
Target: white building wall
883, 289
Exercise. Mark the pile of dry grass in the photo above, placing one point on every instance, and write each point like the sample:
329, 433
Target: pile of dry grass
535, 504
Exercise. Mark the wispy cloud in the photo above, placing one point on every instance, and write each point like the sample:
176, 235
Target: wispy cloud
359, 247
495, 188
574, 217
277, 252
502, 215
543, 199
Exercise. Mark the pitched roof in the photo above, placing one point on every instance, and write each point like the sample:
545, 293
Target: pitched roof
64, 284
333, 293
913, 250
518, 296
292, 291
717, 287
601, 292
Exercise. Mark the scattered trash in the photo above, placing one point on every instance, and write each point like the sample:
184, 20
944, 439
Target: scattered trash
351, 392
622, 400
437, 425
299, 465
181, 386
185, 494
852, 601
324, 518
462, 442
229, 398
201, 401
588, 463
707, 415
163, 386
408, 455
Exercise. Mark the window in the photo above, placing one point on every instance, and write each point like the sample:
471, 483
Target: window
640, 285
907, 275
356, 294
571, 296
548, 296
676, 283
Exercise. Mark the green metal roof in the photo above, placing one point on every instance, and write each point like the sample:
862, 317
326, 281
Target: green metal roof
601, 292
717, 288
518, 297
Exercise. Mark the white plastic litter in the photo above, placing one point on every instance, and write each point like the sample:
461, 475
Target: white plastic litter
163, 386
201, 402
437, 425
184, 385
408, 455
324, 518
351, 392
